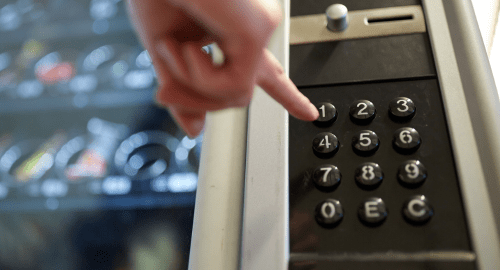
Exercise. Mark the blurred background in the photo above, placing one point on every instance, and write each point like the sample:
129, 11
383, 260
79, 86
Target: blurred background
93, 175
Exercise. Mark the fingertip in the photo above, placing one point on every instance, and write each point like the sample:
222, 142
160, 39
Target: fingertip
191, 123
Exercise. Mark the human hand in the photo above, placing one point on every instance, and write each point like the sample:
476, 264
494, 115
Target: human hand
174, 31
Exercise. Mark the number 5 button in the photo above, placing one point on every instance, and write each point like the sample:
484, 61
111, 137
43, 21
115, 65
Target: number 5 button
412, 173
406, 140
327, 177
365, 142
325, 144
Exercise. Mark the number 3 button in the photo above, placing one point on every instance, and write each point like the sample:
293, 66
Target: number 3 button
365, 142
401, 109
325, 144
406, 140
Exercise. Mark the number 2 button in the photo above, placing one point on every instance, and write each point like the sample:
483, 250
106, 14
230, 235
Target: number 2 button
325, 144
362, 112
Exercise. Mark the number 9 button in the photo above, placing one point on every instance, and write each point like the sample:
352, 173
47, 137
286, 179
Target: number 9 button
401, 109
412, 173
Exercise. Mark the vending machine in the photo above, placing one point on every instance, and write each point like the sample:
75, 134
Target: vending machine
400, 171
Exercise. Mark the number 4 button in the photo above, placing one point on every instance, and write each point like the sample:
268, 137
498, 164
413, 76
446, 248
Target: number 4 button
325, 144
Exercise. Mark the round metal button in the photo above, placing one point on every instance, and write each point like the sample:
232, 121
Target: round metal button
327, 177
329, 213
325, 144
412, 173
327, 114
365, 142
372, 211
406, 140
368, 175
337, 18
362, 112
417, 210
402, 109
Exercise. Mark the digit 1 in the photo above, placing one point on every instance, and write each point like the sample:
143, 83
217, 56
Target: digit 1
323, 110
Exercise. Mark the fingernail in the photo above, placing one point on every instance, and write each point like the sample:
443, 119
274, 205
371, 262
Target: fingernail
196, 127
313, 112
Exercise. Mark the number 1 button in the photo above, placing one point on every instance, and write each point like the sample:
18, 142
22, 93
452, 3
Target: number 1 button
362, 112
325, 144
327, 114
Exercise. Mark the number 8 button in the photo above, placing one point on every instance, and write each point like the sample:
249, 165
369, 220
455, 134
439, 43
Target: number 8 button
369, 175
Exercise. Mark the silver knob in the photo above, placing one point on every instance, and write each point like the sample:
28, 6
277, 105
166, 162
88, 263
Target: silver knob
337, 18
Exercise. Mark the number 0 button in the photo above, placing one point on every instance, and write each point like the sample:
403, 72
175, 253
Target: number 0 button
412, 173
368, 175
329, 213
401, 109
362, 112
406, 140
365, 143
325, 144
327, 114
327, 177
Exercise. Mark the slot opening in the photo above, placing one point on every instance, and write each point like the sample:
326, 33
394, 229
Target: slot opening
390, 19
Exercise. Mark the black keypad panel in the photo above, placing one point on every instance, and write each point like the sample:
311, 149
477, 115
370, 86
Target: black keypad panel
376, 182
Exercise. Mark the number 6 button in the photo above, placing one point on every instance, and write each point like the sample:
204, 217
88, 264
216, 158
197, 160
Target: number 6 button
365, 142
406, 140
327, 177
325, 144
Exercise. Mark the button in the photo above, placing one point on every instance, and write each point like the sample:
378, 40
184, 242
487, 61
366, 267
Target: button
327, 114
327, 177
372, 211
401, 109
362, 112
417, 210
365, 142
329, 213
412, 173
369, 175
337, 18
406, 140
325, 144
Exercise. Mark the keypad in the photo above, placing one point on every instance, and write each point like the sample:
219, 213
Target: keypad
391, 175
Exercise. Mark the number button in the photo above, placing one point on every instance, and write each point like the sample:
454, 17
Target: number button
402, 109
372, 211
417, 210
327, 114
329, 213
325, 144
327, 177
365, 142
362, 112
412, 173
406, 140
368, 175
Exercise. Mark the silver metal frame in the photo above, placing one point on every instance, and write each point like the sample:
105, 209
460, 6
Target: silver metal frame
312, 28
472, 109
